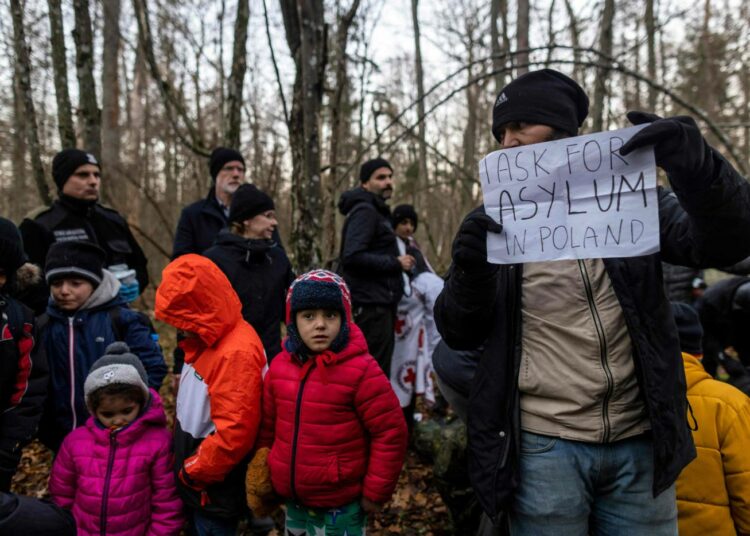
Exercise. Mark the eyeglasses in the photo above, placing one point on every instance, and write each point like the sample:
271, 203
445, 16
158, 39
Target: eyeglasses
232, 169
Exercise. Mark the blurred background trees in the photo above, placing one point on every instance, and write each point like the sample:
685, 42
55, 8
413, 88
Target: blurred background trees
308, 89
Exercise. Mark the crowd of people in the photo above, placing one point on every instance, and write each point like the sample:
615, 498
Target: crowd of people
589, 400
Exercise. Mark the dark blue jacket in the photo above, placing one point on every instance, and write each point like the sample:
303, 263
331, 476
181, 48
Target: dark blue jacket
199, 224
73, 343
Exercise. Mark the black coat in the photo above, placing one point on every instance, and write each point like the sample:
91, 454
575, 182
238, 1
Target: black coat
69, 219
708, 226
260, 273
722, 325
369, 253
199, 224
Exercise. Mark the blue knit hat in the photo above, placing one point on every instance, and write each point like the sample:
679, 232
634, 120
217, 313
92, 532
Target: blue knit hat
317, 289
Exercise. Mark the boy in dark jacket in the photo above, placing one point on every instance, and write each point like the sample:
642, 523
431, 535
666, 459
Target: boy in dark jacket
23, 366
85, 314
256, 266
336, 434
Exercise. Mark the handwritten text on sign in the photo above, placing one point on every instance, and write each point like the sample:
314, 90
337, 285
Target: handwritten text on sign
575, 198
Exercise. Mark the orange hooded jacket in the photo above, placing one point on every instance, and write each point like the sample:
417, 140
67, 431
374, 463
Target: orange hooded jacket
219, 400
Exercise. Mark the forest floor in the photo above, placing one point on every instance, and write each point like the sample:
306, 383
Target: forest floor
416, 507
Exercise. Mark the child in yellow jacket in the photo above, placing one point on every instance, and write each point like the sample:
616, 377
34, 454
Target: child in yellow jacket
713, 491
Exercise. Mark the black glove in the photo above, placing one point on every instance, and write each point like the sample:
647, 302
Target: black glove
470, 244
679, 146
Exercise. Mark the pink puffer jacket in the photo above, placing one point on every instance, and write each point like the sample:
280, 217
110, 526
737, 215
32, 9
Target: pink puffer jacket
124, 478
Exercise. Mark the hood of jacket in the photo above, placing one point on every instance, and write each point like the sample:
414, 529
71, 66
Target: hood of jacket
152, 415
694, 371
195, 295
355, 196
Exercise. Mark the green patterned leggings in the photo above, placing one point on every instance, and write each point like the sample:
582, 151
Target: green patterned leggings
347, 520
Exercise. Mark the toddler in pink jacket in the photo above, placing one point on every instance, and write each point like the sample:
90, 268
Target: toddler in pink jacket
115, 474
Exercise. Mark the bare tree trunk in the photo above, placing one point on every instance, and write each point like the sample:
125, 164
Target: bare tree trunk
331, 180
550, 32
421, 179
496, 12
60, 68
23, 72
522, 36
651, 51
110, 135
605, 46
306, 36
575, 40
237, 77
19, 189
89, 109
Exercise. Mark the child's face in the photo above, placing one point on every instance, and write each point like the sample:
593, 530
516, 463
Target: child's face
115, 411
318, 327
71, 293
3, 278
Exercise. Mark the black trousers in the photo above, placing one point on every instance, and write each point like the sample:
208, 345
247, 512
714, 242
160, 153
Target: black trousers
378, 323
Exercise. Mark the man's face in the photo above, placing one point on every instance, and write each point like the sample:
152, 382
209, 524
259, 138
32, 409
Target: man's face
405, 229
230, 177
380, 183
83, 183
517, 134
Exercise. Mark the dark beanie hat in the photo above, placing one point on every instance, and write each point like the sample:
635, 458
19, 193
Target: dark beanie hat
688, 327
369, 167
219, 157
67, 161
12, 255
117, 366
545, 97
248, 202
75, 258
404, 212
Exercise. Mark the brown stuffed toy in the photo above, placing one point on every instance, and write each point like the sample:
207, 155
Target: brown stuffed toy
261, 499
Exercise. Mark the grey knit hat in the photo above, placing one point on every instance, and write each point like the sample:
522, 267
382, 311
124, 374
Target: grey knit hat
117, 365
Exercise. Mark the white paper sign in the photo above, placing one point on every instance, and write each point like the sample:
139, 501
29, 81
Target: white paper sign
575, 198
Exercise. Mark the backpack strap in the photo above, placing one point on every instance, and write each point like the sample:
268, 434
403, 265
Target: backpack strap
114, 316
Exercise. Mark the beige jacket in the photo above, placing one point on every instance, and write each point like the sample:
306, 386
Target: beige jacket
577, 377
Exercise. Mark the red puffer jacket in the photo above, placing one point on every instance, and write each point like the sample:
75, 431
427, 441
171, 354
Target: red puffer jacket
334, 425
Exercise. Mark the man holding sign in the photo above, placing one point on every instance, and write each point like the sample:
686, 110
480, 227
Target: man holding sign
577, 420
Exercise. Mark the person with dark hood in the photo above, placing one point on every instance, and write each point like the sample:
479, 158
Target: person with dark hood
371, 263
78, 215
255, 265
725, 315
577, 413
23, 365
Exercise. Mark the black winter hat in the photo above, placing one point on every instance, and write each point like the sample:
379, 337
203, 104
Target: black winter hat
221, 156
369, 167
12, 255
545, 97
404, 212
75, 258
248, 202
67, 161
688, 327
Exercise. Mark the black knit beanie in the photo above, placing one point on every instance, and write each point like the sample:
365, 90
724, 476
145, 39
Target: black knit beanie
688, 327
12, 255
248, 202
545, 97
404, 212
220, 157
75, 258
67, 161
369, 167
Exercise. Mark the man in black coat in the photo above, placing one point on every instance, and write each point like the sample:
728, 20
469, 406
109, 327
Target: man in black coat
77, 215
371, 264
577, 413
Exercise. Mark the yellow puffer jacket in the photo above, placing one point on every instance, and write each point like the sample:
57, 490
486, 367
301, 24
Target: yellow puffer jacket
713, 491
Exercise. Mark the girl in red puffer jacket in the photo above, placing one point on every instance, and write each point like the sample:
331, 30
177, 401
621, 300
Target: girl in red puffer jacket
335, 429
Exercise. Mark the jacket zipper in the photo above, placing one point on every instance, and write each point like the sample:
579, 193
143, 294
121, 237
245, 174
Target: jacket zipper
297, 410
603, 350
107, 478
71, 366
